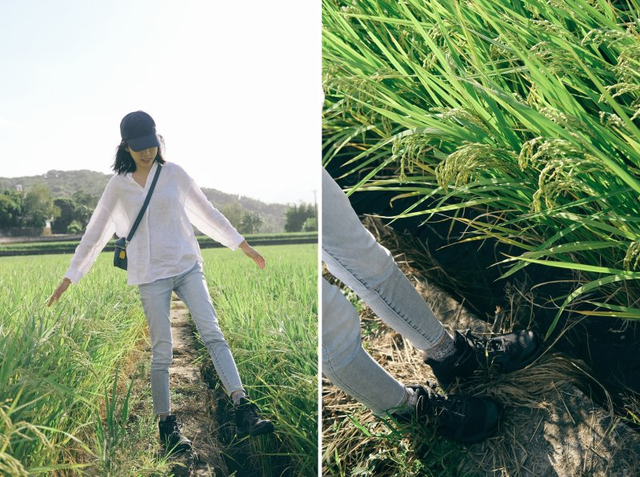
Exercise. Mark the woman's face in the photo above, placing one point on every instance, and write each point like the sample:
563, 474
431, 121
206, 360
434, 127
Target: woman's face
144, 158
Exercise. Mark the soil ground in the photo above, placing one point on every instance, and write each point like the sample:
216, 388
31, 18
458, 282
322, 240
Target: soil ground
193, 402
550, 426
203, 410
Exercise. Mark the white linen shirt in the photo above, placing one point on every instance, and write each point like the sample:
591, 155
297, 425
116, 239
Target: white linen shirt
164, 244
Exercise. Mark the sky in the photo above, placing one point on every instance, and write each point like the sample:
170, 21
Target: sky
234, 88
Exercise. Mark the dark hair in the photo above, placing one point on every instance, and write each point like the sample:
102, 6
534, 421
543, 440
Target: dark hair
124, 162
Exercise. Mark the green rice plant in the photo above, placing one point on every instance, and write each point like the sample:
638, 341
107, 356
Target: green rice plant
269, 318
53, 360
68, 246
634, 419
526, 112
64, 401
359, 444
110, 436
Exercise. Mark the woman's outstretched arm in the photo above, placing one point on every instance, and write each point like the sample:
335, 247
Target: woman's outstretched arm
64, 284
253, 254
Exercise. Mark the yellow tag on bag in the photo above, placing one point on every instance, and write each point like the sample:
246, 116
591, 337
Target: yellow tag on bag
120, 255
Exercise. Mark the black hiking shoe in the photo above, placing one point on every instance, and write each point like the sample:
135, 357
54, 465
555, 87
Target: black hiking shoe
503, 353
171, 436
461, 418
248, 422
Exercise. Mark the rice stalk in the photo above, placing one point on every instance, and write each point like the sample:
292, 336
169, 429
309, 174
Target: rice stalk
525, 112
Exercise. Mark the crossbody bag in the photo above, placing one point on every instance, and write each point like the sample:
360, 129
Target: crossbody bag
120, 253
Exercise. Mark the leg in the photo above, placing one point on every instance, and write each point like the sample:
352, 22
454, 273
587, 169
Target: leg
346, 363
192, 289
156, 302
462, 418
352, 254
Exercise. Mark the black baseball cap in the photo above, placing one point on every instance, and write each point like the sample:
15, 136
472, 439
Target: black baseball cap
139, 130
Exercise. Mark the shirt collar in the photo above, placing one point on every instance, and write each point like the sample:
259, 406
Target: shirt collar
152, 172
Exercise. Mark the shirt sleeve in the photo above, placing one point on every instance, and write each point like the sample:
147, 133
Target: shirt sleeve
208, 219
100, 229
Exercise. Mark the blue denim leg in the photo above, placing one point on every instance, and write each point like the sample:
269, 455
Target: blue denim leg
192, 290
344, 360
156, 301
352, 255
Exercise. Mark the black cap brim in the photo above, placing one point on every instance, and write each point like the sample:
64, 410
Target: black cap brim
144, 142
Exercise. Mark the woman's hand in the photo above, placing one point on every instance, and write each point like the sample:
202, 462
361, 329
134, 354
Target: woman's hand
64, 284
253, 254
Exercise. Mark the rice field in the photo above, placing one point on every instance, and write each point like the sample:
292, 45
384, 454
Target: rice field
58, 365
270, 321
525, 113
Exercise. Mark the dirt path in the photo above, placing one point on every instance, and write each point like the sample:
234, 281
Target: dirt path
202, 408
193, 402
550, 426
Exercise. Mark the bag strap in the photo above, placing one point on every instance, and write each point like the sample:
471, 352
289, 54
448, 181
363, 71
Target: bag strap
146, 203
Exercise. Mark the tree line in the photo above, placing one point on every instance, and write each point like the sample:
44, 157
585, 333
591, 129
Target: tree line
301, 218
71, 214
27, 210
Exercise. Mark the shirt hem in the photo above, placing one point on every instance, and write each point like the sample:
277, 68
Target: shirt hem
197, 260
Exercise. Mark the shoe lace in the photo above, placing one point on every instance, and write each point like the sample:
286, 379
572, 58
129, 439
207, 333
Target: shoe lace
172, 428
443, 407
250, 412
488, 346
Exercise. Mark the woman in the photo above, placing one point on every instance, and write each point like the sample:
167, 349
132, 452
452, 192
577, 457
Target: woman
163, 256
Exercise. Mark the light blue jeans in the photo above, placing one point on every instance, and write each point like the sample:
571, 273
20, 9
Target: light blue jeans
191, 288
353, 256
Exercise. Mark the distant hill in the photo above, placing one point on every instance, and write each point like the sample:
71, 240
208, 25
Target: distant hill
62, 183
66, 183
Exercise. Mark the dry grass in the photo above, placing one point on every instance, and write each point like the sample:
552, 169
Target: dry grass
548, 424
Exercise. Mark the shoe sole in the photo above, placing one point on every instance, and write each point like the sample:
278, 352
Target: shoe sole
266, 429
485, 435
178, 449
523, 364
482, 437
